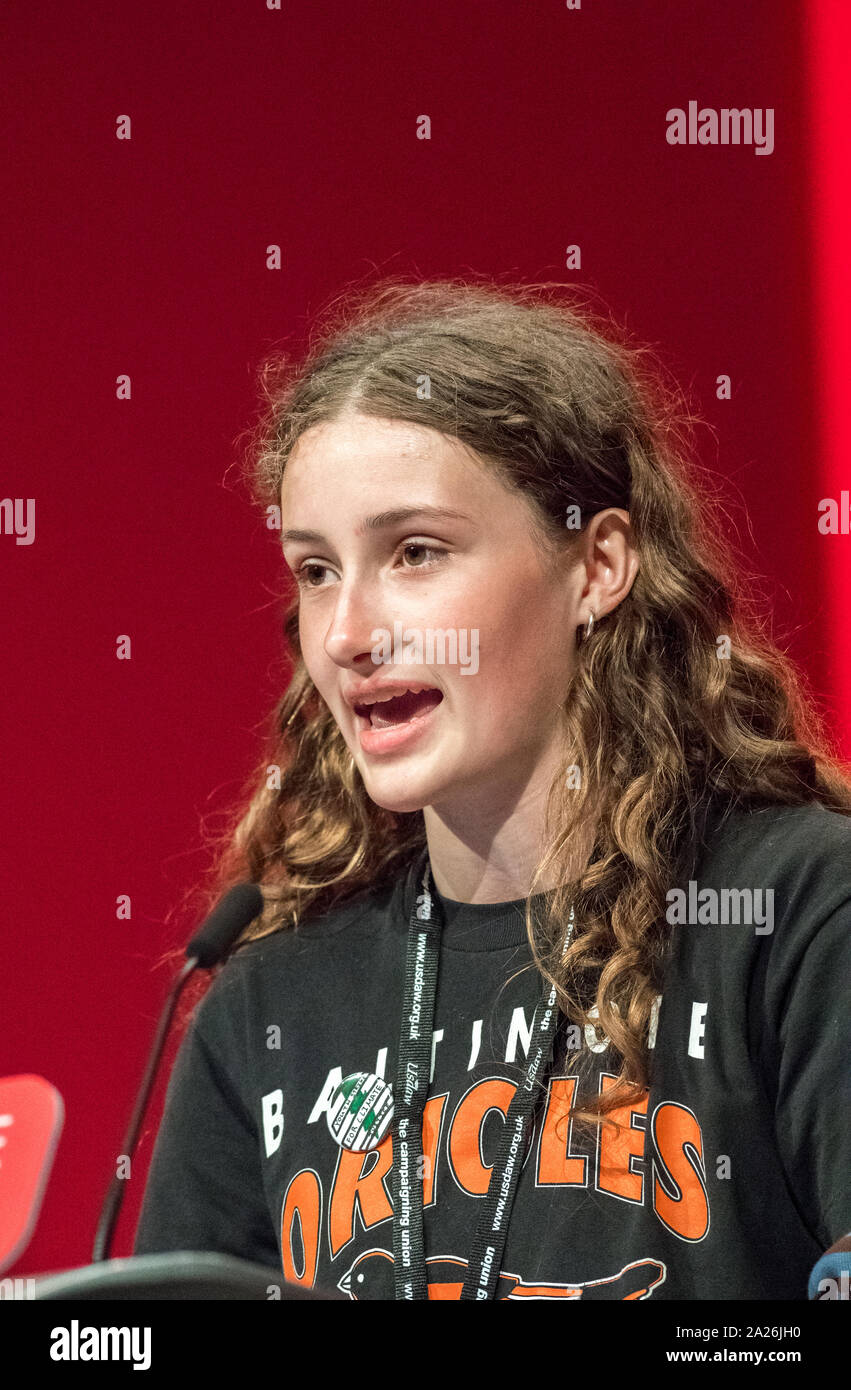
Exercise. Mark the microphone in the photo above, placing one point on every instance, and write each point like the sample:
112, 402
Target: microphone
231, 915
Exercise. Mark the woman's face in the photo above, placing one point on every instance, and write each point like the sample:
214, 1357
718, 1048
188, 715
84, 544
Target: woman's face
419, 570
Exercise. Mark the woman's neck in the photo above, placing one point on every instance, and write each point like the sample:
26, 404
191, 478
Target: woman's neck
491, 856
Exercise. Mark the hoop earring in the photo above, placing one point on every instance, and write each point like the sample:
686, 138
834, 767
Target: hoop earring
589, 627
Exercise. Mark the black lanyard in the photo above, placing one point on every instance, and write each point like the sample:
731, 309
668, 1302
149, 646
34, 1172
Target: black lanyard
410, 1092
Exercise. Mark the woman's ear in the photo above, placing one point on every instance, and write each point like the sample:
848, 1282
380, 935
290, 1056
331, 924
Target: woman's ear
611, 561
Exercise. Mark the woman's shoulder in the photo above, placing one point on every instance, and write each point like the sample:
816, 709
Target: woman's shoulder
298, 961
772, 831
366, 913
801, 853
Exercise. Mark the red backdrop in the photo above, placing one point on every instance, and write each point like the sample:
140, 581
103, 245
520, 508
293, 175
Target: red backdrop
146, 256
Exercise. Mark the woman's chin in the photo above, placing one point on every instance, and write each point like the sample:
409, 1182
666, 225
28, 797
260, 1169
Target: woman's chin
401, 796
402, 805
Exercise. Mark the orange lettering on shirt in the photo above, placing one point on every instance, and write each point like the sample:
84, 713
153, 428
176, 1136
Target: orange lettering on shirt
432, 1117
466, 1132
678, 1145
359, 1181
303, 1203
557, 1167
616, 1148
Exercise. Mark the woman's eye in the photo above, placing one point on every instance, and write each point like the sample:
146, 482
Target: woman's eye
414, 555
418, 554
310, 575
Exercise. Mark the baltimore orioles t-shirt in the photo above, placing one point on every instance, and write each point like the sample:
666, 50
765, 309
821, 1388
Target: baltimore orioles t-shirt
727, 1179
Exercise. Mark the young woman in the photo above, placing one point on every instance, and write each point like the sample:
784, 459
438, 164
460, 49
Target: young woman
548, 998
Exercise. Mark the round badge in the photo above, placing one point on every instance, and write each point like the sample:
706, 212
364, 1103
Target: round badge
360, 1113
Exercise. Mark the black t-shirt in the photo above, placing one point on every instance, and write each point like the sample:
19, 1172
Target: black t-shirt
727, 1181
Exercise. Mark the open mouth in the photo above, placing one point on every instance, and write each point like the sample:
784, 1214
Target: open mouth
399, 709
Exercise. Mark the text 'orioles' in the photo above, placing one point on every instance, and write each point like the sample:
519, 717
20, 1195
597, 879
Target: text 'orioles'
360, 1189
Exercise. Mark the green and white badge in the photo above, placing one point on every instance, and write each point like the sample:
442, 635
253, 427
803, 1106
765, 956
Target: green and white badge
360, 1113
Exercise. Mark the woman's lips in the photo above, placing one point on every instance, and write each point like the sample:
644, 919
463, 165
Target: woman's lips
387, 725
399, 708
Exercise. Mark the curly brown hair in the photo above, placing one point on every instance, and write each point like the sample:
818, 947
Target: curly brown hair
571, 415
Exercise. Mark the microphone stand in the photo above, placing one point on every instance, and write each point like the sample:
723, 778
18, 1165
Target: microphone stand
115, 1195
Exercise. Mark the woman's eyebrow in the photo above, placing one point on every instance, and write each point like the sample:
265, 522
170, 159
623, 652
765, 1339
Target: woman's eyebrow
381, 521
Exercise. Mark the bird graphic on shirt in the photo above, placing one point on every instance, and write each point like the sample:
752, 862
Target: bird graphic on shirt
371, 1276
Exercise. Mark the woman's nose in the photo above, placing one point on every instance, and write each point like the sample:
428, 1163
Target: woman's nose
349, 635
